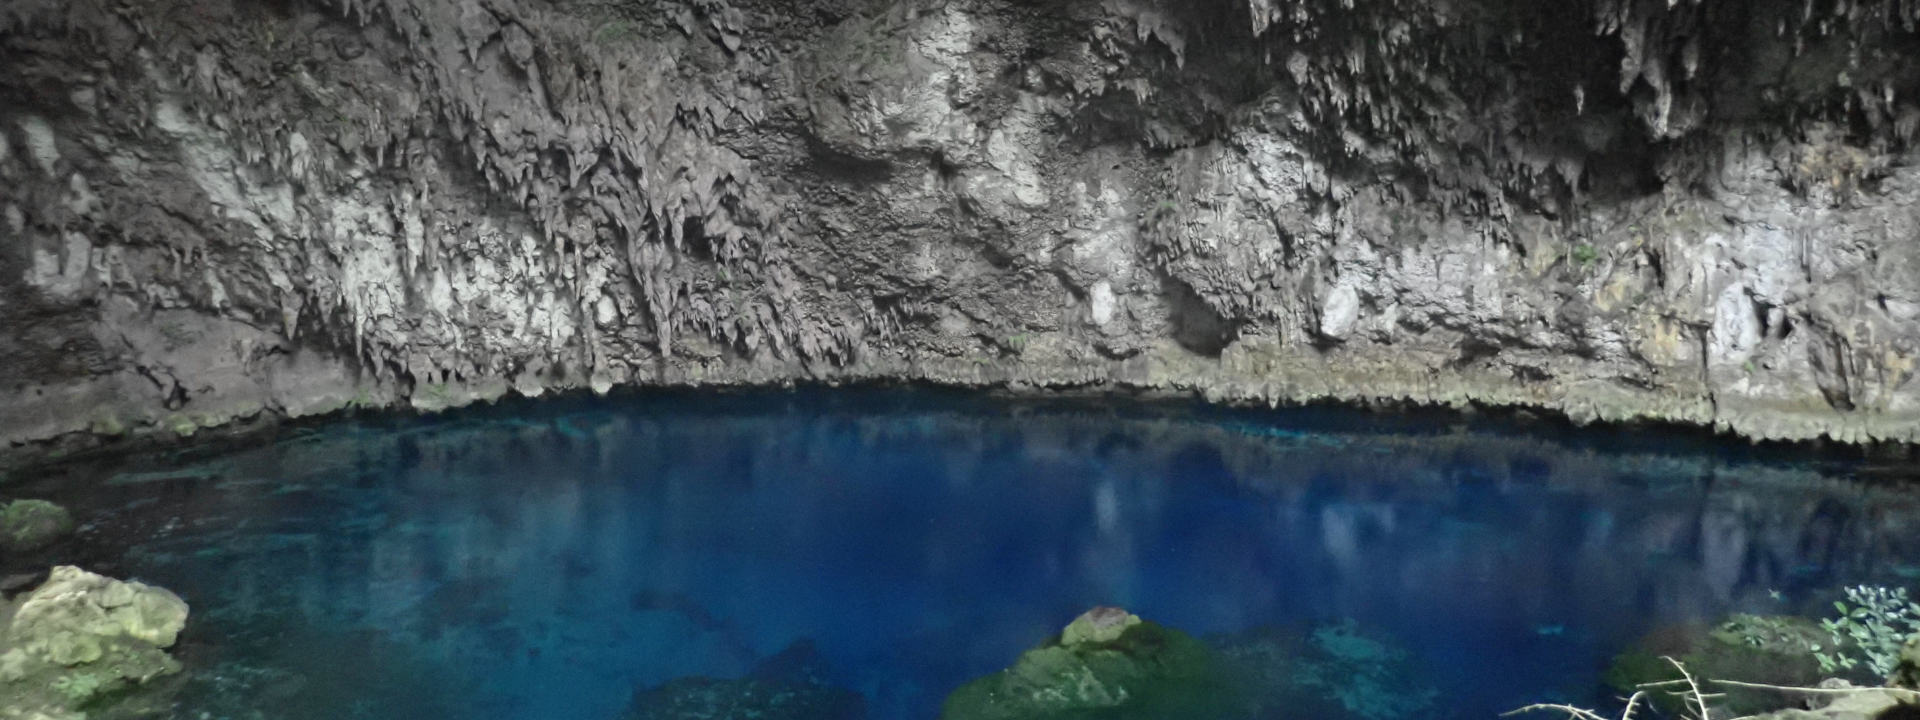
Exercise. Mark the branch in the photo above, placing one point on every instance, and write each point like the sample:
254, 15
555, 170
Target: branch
1698, 700
1571, 711
1788, 688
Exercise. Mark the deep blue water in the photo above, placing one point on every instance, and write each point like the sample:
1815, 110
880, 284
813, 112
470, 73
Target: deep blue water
546, 560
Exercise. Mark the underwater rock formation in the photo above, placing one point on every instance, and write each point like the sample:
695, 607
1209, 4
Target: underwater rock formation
81, 642
1106, 661
1612, 209
791, 685
1337, 670
32, 524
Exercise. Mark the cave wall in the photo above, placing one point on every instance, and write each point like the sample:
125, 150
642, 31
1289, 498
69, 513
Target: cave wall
1700, 211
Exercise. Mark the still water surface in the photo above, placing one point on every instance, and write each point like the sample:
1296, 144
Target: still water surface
546, 560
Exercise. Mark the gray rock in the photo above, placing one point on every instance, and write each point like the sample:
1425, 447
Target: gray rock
225, 214
81, 637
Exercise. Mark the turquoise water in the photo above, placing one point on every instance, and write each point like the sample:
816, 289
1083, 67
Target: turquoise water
562, 559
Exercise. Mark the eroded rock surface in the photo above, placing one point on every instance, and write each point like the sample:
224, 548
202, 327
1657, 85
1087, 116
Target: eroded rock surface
1700, 212
80, 641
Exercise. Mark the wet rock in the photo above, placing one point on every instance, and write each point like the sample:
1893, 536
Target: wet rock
1103, 624
1107, 661
32, 524
82, 645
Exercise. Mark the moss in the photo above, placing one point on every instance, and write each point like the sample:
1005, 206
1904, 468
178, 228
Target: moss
1768, 649
33, 524
107, 426
1146, 671
1584, 255
183, 425
79, 688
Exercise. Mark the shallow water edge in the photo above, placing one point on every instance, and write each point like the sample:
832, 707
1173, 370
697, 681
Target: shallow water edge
1884, 458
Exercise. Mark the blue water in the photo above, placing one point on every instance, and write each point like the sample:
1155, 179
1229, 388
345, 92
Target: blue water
547, 560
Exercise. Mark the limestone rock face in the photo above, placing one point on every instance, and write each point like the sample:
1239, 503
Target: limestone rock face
27, 525
82, 638
1697, 212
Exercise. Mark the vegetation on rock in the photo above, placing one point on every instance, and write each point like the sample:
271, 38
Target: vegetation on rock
1755, 648
32, 524
81, 644
1873, 624
1107, 663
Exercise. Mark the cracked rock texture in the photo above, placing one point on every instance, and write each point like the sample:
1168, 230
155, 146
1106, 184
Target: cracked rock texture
1700, 211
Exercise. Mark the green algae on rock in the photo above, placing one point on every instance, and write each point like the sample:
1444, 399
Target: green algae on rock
81, 643
1769, 649
32, 524
1107, 663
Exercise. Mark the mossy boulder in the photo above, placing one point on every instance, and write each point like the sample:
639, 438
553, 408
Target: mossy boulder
1769, 649
1107, 664
80, 642
32, 524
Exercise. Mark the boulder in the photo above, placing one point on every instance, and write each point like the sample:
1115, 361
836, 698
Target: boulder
1106, 662
1906, 674
1771, 649
32, 524
79, 641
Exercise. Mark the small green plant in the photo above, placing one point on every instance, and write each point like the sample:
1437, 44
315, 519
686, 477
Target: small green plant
1874, 621
1018, 343
1585, 254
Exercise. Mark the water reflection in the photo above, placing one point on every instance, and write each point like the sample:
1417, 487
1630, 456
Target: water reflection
549, 563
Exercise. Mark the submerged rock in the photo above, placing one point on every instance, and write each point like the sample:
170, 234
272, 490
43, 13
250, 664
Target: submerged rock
1337, 670
32, 524
791, 685
81, 640
1106, 661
